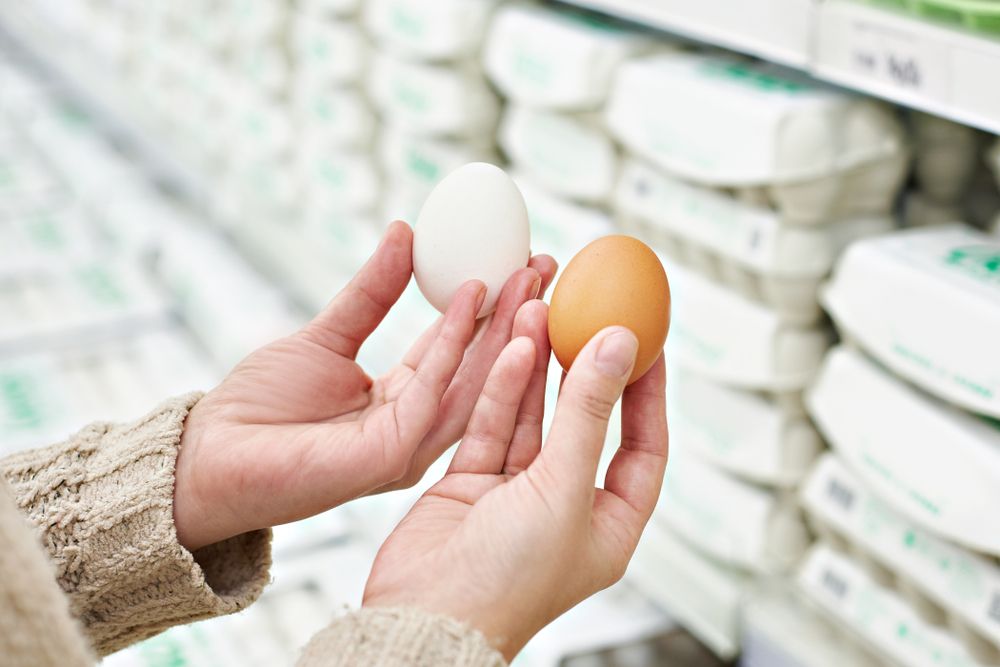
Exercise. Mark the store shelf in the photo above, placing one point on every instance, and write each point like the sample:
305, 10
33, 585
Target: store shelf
777, 30
934, 68
941, 69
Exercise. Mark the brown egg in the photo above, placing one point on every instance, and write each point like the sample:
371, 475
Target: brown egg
616, 280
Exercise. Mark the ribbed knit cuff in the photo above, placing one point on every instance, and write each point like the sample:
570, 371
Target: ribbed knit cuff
399, 637
103, 502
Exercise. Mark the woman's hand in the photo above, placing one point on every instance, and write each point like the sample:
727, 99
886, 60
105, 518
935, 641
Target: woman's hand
298, 427
516, 534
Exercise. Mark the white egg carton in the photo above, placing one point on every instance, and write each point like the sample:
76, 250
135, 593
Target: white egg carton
26, 184
782, 630
557, 59
731, 339
702, 594
559, 227
328, 53
338, 181
328, 8
45, 240
433, 99
439, 30
338, 118
262, 188
936, 465
266, 69
570, 155
818, 154
877, 615
742, 525
945, 157
925, 303
418, 163
739, 244
943, 583
401, 202
258, 128
89, 301
758, 440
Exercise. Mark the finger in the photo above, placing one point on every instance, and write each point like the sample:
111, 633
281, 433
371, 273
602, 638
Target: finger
546, 268
484, 447
636, 471
358, 309
417, 406
531, 321
593, 385
461, 396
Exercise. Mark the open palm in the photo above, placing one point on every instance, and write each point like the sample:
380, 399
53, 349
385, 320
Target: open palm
299, 427
514, 534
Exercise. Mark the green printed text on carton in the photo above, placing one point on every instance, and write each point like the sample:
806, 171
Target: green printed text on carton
100, 285
422, 166
874, 465
981, 262
532, 69
21, 405
407, 23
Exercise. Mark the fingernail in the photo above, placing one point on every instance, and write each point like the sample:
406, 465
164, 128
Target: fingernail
535, 287
616, 353
480, 299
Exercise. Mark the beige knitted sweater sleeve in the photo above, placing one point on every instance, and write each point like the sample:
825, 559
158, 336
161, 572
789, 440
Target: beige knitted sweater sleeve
91, 562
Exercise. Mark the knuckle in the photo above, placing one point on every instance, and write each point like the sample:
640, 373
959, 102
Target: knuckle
594, 404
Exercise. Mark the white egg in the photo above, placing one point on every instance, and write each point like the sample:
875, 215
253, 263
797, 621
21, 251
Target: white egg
473, 226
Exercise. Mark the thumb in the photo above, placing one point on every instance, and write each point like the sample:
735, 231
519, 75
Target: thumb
592, 387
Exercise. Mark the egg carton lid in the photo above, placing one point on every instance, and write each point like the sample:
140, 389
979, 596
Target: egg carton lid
781, 630
421, 161
731, 339
440, 30
758, 440
738, 523
942, 570
753, 236
926, 303
874, 614
676, 109
703, 595
571, 155
949, 468
562, 59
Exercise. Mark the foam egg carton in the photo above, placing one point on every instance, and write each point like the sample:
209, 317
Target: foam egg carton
45, 240
741, 245
781, 630
742, 525
258, 23
343, 181
736, 341
328, 8
559, 227
564, 59
262, 187
943, 583
266, 69
46, 396
258, 128
865, 412
86, 301
26, 183
337, 118
925, 303
433, 100
442, 30
328, 53
759, 440
418, 163
818, 153
704, 595
877, 615
570, 155
945, 156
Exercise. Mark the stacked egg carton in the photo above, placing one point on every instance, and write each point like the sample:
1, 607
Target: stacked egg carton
750, 210
910, 406
953, 181
438, 110
335, 123
555, 68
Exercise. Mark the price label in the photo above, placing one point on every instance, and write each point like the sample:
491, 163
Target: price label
885, 49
